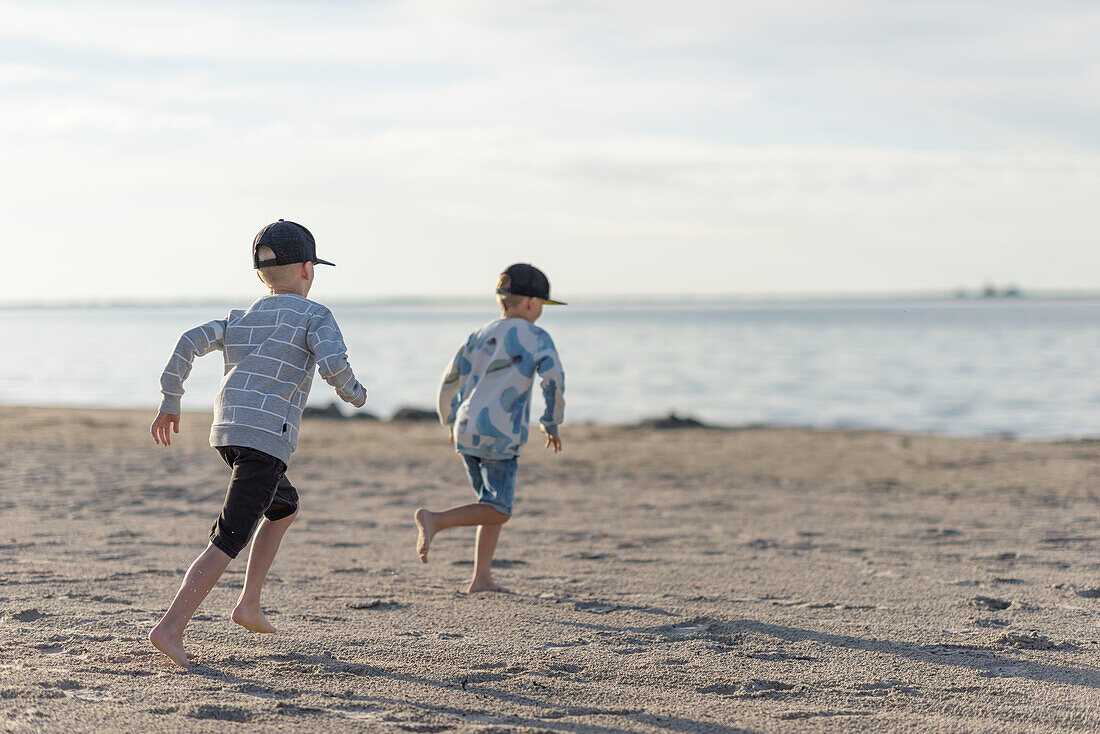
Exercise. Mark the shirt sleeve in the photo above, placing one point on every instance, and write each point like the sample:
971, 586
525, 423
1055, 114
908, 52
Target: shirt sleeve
194, 343
327, 344
552, 382
452, 388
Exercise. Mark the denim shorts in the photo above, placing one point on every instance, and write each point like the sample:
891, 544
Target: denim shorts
494, 481
258, 488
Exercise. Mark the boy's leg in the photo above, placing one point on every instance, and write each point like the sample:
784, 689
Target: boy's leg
252, 486
429, 523
487, 536
493, 481
200, 578
265, 544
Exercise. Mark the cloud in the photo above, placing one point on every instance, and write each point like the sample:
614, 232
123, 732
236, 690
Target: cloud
897, 74
13, 74
793, 145
76, 115
840, 217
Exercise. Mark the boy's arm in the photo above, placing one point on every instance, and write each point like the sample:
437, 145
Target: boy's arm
450, 390
552, 381
327, 344
194, 343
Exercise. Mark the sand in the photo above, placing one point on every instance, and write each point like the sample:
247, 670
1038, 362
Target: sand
758, 580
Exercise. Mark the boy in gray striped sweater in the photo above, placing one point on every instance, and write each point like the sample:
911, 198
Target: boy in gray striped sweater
271, 350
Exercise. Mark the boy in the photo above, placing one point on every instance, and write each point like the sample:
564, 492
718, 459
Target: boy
484, 402
270, 350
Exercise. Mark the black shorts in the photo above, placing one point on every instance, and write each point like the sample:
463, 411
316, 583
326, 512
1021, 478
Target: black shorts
258, 488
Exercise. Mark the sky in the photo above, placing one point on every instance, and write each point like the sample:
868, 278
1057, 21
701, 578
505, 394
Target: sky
680, 148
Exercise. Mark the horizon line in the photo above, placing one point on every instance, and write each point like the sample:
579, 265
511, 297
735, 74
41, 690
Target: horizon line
635, 299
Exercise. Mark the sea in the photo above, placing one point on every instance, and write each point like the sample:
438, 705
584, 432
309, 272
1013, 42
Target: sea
1008, 367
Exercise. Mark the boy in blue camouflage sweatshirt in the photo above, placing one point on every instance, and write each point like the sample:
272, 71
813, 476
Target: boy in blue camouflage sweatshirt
271, 351
485, 402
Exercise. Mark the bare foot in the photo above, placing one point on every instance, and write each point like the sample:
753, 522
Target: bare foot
484, 585
252, 619
425, 524
170, 645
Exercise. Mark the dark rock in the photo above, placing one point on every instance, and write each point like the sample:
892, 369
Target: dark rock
415, 415
363, 415
672, 421
332, 411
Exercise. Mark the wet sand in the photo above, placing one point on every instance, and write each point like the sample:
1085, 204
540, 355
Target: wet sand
763, 580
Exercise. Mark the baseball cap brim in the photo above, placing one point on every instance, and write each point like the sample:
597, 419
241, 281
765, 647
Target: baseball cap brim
552, 302
319, 261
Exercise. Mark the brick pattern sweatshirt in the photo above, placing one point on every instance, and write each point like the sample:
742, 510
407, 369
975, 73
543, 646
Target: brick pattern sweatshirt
271, 350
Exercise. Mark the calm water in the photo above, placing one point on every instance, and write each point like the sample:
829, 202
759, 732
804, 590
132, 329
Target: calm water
1026, 368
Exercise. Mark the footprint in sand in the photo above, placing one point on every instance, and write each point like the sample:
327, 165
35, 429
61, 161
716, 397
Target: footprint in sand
1031, 641
588, 556
1007, 580
884, 687
750, 689
594, 607
497, 563
987, 623
475, 678
380, 604
165, 711
219, 713
779, 656
251, 689
65, 684
28, 615
93, 696
989, 603
556, 646
110, 600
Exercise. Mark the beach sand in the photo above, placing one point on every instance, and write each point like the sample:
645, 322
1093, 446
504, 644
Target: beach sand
759, 580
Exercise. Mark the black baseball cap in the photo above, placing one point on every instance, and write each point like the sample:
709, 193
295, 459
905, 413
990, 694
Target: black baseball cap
527, 280
291, 243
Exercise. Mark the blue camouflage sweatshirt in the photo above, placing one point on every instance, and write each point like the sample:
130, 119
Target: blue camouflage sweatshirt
485, 397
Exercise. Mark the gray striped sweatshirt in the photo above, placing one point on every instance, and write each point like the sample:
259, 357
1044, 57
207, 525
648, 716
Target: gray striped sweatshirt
270, 350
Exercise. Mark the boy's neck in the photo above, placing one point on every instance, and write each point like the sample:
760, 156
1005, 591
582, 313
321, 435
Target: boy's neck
528, 309
285, 291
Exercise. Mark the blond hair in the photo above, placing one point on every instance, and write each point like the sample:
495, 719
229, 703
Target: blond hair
507, 301
275, 276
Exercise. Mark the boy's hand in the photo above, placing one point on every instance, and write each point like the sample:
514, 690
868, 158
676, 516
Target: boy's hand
160, 427
554, 441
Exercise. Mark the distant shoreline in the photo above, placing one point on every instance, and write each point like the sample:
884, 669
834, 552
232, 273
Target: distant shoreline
672, 423
600, 301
